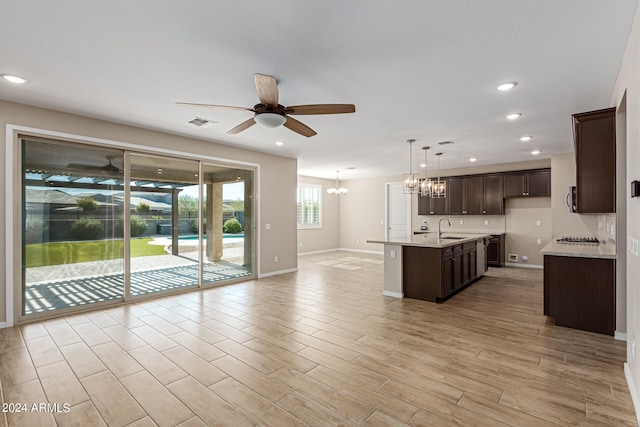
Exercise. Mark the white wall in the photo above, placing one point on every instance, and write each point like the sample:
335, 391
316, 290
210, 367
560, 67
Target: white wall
328, 237
629, 83
277, 179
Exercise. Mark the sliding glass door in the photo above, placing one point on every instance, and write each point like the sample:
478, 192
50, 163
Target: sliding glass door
102, 224
72, 243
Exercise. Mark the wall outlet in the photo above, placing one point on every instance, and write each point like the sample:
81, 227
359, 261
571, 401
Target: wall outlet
461, 222
539, 241
486, 222
392, 253
538, 222
275, 258
267, 226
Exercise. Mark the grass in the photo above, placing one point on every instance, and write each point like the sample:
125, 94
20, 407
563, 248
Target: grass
43, 254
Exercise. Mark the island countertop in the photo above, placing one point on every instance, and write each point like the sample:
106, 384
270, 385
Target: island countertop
430, 240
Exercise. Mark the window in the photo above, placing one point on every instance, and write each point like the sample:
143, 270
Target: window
309, 206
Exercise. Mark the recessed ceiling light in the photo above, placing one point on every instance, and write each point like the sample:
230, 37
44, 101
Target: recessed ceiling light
473, 159
279, 143
14, 79
423, 165
505, 86
526, 138
536, 152
513, 116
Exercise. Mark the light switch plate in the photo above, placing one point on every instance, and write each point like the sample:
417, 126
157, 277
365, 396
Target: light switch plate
538, 222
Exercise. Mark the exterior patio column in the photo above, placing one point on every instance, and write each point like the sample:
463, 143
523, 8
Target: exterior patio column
214, 222
175, 220
248, 220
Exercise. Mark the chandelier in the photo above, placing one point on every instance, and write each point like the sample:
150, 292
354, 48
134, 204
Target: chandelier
411, 181
337, 189
439, 188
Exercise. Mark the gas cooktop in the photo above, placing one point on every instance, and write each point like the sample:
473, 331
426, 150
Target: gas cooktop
583, 240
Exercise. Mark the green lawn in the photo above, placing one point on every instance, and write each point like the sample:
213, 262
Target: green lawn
42, 254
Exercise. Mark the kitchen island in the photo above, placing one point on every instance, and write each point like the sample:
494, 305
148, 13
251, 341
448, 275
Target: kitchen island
430, 268
579, 285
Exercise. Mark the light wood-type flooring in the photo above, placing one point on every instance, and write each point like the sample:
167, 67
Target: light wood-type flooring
318, 347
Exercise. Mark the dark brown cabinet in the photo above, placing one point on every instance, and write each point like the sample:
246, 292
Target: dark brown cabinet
527, 184
580, 292
493, 195
433, 274
432, 206
456, 194
496, 250
595, 149
474, 196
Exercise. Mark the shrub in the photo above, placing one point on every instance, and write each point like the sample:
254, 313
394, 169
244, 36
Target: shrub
87, 203
232, 226
87, 229
143, 207
138, 226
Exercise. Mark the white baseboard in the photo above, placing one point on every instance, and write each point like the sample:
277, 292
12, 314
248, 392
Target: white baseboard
518, 264
317, 252
634, 392
277, 273
3, 325
620, 336
362, 251
393, 294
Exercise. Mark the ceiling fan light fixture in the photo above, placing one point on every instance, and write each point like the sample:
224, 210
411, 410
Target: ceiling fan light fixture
270, 120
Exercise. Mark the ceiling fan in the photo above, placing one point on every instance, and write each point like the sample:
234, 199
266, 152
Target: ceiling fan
109, 167
270, 114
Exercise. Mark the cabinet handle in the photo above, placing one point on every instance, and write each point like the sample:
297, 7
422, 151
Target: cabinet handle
484, 212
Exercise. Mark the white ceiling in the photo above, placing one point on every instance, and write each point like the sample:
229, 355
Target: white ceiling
414, 69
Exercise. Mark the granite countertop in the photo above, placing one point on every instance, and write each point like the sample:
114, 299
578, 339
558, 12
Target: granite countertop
430, 240
602, 250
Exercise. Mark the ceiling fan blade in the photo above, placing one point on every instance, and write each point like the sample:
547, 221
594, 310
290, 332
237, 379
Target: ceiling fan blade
321, 109
226, 107
299, 127
242, 126
267, 89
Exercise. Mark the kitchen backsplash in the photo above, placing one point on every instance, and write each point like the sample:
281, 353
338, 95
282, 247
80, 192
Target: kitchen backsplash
482, 223
607, 228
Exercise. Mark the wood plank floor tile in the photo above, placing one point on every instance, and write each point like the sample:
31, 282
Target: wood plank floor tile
257, 408
158, 365
208, 406
159, 403
28, 393
61, 385
81, 415
113, 402
321, 346
82, 360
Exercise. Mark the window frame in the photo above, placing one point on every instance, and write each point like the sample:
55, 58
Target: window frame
315, 187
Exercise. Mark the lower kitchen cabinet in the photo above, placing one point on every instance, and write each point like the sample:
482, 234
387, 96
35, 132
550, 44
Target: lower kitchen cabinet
433, 274
580, 292
496, 250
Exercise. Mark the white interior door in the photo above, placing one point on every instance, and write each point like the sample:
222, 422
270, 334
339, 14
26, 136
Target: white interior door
398, 212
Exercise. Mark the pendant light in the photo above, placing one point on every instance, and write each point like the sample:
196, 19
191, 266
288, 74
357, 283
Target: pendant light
410, 181
337, 189
426, 183
439, 188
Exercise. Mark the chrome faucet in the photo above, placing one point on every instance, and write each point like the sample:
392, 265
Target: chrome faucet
439, 223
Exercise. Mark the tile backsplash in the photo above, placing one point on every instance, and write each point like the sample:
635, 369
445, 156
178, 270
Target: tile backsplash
492, 224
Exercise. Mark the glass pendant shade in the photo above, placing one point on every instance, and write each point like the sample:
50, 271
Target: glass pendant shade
410, 181
438, 187
426, 184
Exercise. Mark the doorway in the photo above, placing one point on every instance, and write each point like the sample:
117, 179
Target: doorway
398, 212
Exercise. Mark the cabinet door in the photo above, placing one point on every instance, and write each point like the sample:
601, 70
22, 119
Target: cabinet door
455, 196
539, 184
515, 185
439, 206
474, 196
494, 195
595, 146
473, 272
447, 276
458, 280
493, 252
424, 205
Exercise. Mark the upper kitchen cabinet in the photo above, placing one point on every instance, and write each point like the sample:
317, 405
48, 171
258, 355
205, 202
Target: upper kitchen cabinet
475, 195
595, 147
456, 194
528, 184
493, 195
432, 206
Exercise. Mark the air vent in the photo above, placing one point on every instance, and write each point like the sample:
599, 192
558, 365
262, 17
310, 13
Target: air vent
445, 142
200, 122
